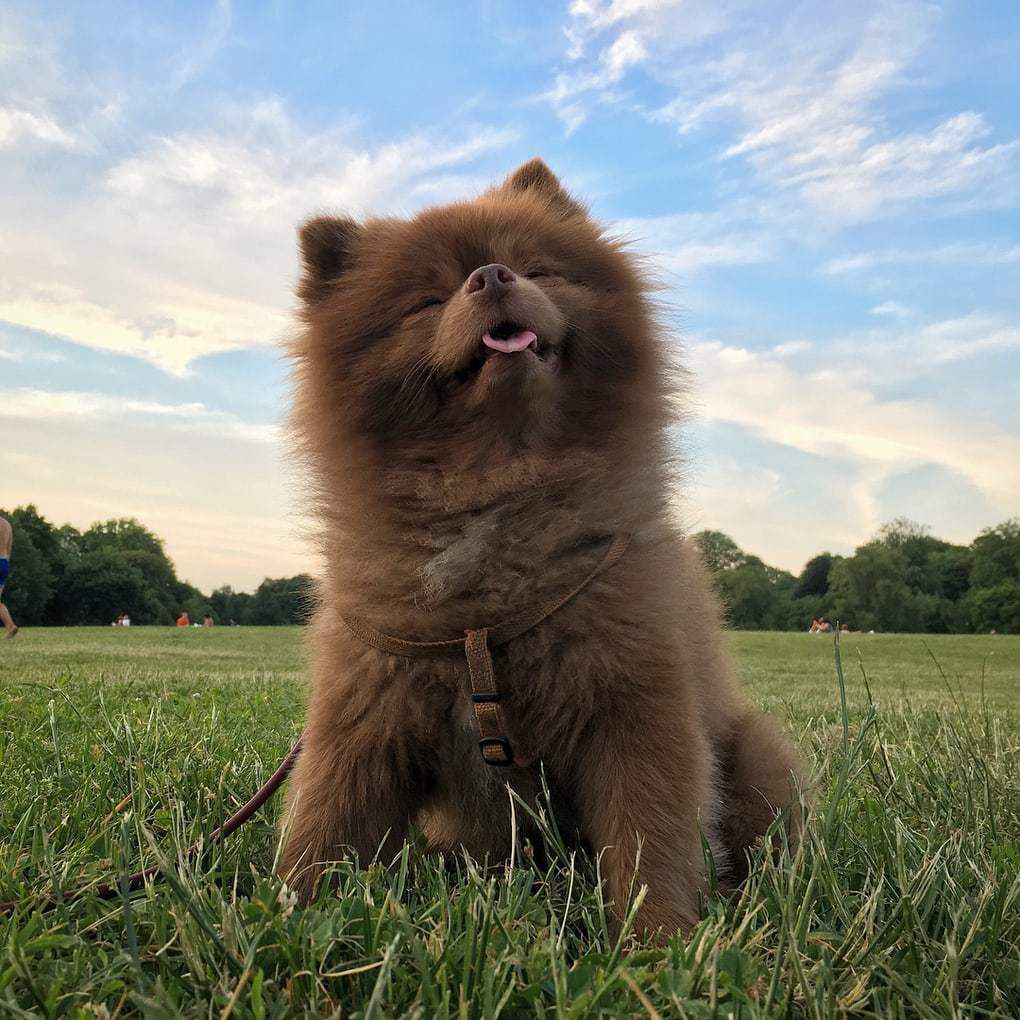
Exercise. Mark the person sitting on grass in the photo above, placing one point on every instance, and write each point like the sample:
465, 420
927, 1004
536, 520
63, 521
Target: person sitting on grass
183, 620
6, 541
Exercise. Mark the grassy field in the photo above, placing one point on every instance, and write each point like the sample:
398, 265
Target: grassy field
119, 748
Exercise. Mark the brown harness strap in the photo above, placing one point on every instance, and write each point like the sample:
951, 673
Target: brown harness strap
486, 701
476, 646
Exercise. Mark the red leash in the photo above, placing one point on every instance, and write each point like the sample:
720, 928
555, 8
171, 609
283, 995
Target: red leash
109, 890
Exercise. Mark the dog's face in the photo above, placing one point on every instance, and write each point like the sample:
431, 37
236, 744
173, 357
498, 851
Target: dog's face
504, 323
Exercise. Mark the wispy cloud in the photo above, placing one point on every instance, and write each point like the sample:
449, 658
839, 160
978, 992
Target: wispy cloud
942, 343
17, 126
803, 100
891, 308
185, 248
63, 405
197, 54
819, 411
986, 253
683, 243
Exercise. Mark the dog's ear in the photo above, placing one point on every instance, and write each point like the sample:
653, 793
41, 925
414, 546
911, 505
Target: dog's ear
537, 177
326, 243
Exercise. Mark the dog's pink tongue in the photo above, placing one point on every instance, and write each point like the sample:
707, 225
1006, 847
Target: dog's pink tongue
516, 342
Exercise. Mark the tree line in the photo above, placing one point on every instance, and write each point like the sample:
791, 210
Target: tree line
904, 580
64, 577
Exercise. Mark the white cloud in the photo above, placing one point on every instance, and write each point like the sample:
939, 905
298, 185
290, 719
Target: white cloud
891, 308
19, 125
35, 87
803, 93
627, 50
959, 339
185, 247
858, 181
782, 515
686, 242
792, 348
636, 42
196, 56
830, 413
967, 253
62, 405
887, 355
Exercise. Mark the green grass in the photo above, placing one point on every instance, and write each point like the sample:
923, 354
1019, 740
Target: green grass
119, 748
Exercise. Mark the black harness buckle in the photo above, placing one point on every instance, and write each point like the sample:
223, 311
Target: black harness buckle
503, 744
483, 697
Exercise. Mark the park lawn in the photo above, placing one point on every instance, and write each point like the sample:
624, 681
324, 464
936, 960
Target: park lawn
120, 747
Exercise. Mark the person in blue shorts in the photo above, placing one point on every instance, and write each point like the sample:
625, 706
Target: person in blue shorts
6, 540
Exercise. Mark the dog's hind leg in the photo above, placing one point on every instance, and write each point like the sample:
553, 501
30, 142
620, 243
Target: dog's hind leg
760, 778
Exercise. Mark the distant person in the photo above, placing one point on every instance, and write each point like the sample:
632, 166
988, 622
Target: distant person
207, 620
125, 620
6, 541
183, 620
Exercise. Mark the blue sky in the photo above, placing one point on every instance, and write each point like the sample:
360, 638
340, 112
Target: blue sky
829, 194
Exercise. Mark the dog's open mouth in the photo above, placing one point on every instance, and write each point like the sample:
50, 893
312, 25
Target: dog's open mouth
509, 337
507, 341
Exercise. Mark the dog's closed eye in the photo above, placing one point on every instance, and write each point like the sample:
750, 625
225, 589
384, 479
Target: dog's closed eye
432, 301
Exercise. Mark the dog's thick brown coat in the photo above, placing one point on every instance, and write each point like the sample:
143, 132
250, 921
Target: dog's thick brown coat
455, 490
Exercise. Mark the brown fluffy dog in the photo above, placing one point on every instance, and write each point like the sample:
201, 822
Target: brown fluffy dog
483, 396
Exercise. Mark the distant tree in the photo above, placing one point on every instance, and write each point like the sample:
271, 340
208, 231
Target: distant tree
871, 593
995, 607
996, 554
800, 612
941, 615
100, 585
950, 571
28, 522
198, 609
285, 600
814, 578
931, 565
67, 553
221, 604
140, 548
124, 534
718, 550
229, 606
188, 599
904, 579
756, 596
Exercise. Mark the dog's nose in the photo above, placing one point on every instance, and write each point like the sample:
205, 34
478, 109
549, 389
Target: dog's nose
496, 279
